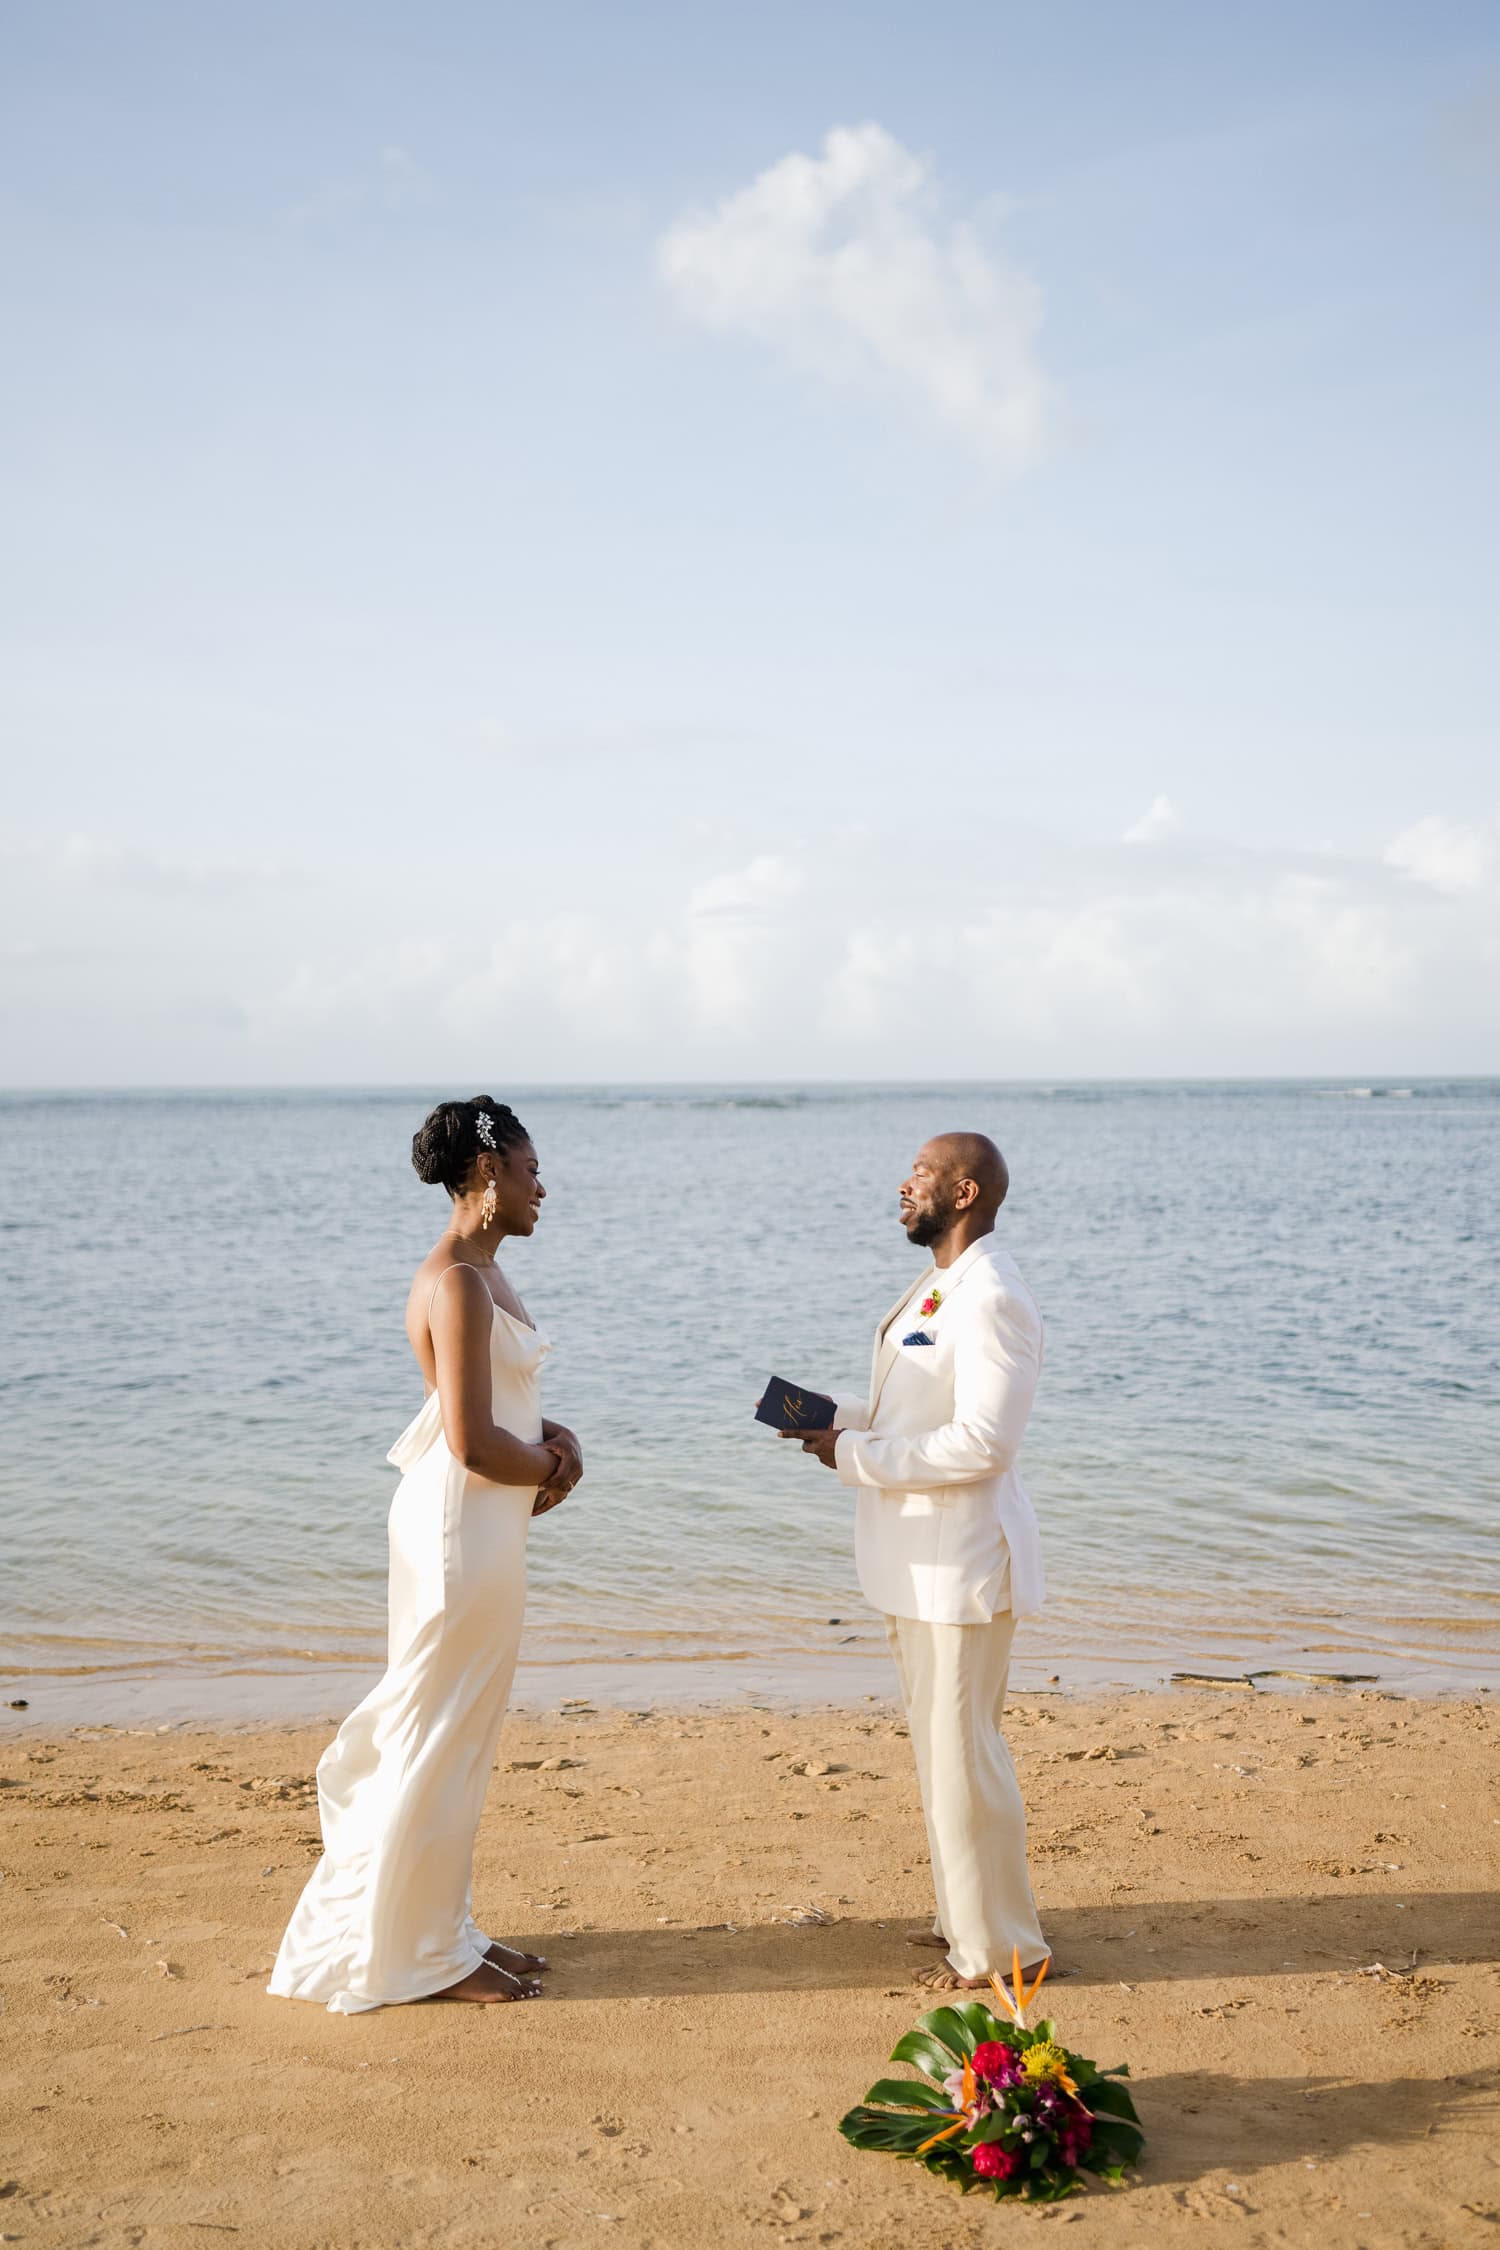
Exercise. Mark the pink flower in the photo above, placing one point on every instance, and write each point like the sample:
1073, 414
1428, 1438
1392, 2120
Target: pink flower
992, 2162
996, 2062
1075, 2132
977, 2101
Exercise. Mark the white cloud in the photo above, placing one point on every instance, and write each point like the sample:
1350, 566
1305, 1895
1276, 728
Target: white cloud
1162, 820
1218, 960
1053, 959
89, 863
710, 955
372, 988
1442, 853
1348, 954
747, 891
848, 957
842, 263
732, 955
879, 973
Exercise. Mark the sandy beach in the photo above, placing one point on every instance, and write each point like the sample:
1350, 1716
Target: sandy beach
1278, 1908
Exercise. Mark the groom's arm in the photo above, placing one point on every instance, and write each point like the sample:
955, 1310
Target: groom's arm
996, 1360
851, 1413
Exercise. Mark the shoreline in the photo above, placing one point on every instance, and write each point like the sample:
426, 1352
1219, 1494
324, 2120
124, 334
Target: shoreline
1278, 1909
237, 1688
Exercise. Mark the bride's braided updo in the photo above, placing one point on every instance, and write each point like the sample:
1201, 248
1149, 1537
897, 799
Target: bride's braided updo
444, 1148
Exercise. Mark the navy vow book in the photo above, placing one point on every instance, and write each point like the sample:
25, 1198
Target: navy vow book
786, 1407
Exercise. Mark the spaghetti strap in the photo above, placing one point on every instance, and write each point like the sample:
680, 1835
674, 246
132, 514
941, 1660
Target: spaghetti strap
457, 1266
522, 1319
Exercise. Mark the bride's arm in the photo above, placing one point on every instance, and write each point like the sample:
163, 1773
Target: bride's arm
460, 1321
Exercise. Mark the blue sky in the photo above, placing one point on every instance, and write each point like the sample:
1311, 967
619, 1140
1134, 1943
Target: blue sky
692, 541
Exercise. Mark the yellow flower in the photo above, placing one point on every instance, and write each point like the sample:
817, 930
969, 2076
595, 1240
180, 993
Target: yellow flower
1046, 2060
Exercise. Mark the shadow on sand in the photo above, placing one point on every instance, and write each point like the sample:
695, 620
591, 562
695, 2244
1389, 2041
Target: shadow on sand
1199, 2121
1141, 1943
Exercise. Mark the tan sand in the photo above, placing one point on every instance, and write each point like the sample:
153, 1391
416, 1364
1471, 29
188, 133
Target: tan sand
1225, 1874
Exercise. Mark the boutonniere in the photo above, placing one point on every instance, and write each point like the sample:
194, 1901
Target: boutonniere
930, 1304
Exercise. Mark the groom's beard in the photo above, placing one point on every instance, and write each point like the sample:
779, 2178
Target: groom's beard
926, 1227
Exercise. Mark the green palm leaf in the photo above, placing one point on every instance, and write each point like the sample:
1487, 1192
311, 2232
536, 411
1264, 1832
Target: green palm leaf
982, 2023
884, 2129
909, 2093
916, 2047
1108, 2099
948, 2027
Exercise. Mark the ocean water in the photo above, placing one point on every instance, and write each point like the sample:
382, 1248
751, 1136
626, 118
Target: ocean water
1267, 1433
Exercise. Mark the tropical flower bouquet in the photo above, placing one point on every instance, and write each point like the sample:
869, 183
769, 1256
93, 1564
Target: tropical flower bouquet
999, 2106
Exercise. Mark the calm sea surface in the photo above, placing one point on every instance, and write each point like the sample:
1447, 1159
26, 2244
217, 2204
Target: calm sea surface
1268, 1432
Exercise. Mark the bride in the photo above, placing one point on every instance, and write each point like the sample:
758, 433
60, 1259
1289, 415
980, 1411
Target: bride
387, 1916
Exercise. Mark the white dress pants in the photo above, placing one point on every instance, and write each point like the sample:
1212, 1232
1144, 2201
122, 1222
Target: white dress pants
953, 1689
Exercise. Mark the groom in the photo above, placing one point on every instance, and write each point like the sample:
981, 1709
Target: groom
946, 1541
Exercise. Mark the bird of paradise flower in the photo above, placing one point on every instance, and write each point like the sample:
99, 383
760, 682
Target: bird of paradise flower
1018, 2000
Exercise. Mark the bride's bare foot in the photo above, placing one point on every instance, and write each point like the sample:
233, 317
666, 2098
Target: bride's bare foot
489, 1986
516, 1963
927, 1937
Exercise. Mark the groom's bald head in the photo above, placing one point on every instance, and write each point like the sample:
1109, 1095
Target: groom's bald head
971, 1160
958, 1180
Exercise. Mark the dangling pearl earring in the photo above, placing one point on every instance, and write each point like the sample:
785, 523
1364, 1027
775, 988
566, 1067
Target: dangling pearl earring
488, 1203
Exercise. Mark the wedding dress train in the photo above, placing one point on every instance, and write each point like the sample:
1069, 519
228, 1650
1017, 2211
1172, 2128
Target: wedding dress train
386, 1915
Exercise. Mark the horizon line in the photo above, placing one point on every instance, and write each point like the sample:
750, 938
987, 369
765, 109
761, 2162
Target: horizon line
915, 1085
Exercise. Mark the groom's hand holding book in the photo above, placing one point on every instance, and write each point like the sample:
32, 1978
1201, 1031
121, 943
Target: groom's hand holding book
793, 1411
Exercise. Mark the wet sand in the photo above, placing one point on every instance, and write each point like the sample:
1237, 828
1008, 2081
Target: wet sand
1280, 1909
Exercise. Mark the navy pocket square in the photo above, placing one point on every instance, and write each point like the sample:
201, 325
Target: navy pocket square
917, 1337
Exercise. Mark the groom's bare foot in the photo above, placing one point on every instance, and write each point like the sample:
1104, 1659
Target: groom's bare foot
490, 1987
516, 1963
944, 1979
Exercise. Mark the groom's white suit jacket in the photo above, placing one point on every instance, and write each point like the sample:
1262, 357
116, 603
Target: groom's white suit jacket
943, 1526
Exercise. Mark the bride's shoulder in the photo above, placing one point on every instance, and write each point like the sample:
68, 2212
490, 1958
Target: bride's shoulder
433, 1294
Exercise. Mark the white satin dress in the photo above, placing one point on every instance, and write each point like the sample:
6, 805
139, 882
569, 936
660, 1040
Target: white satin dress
387, 1913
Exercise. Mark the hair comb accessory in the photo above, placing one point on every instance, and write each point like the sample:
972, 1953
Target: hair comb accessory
484, 1129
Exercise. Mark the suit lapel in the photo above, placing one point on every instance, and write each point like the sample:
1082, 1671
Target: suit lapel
888, 1343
